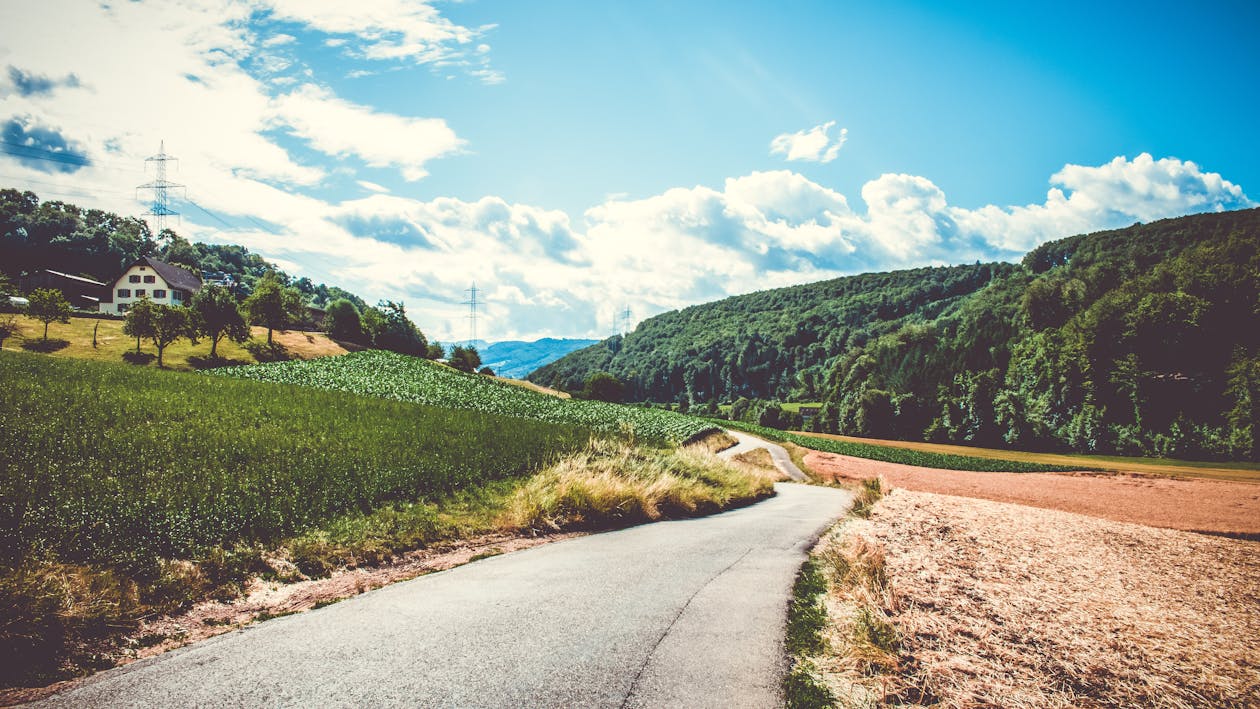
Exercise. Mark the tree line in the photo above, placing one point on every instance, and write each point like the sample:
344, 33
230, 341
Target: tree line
1137, 341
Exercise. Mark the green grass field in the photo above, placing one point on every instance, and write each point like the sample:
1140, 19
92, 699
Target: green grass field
112, 464
403, 378
112, 344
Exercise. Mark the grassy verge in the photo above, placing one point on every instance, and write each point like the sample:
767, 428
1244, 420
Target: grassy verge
1154, 466
901, 455
840, 638
74, 340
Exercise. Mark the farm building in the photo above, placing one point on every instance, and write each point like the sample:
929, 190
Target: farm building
82, 293
160, 282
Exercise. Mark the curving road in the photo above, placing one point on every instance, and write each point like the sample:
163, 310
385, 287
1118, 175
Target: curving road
778, 453
683, 613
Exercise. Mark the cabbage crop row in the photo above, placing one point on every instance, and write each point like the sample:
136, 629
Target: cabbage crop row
395, 376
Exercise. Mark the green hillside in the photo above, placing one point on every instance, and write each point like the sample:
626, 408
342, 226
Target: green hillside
1138, 341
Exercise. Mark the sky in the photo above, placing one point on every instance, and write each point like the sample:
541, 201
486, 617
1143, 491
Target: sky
576, 158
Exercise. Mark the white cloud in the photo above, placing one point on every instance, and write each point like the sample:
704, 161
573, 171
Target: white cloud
813, 145
392, 30
279, 39
338, 127
371, 186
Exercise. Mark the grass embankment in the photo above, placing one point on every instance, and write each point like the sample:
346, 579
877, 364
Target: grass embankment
838, 621
395, 376
1153, 466
75, 340
128, 492
905, 456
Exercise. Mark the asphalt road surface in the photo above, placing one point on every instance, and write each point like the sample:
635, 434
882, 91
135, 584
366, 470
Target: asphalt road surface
778, 453
685, 613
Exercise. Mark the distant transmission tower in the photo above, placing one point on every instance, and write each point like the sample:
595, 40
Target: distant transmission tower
472, 313
623, 320
160, 207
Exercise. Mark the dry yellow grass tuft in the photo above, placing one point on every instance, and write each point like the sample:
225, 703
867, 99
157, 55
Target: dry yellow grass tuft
614, 482
995, 604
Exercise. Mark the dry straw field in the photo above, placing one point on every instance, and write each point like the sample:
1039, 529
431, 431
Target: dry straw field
998, 604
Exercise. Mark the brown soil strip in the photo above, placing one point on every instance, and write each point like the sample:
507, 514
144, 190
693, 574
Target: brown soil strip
268, 599
1006, 605
1212, 506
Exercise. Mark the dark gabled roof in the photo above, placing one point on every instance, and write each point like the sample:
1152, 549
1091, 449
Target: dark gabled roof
175, 276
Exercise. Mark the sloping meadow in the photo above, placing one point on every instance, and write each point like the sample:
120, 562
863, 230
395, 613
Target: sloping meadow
394, 376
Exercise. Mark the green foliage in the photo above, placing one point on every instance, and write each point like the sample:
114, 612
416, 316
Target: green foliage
342, 321
395, 332
139, 320
216, 315
170, 323
465, 359
274, 305
602, 386
48, 305
394, 376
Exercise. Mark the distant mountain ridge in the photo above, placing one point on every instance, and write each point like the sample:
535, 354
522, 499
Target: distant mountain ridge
516, 358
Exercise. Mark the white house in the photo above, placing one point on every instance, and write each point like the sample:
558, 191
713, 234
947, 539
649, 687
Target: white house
150, 278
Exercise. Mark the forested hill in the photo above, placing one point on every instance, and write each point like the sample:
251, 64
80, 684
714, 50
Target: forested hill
64, 237
1144, 340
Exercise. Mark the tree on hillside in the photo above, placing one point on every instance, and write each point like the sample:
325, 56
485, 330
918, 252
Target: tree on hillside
216, 315
139, 321
170, 323
465, 359
436, 351
372, 320
602, 386
48, 305
274, 305
343, 322
486, 371
398, 333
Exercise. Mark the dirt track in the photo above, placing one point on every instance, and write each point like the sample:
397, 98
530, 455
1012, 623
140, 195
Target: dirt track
1213, 506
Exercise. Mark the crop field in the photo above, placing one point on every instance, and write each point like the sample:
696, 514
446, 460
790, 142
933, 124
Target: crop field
905, 456
394, 376
115, 465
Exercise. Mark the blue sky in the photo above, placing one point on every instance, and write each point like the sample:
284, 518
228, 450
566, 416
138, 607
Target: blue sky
578, 157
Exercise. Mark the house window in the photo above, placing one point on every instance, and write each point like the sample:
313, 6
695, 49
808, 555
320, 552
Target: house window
177, 295
159, 294
122, 307
133, 279
149, 279
124, 292
139, 292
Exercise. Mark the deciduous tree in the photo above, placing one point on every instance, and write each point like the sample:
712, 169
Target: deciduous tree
216, 315
274, 305
48, 305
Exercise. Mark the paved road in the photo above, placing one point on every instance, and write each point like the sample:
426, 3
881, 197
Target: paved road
685, 613
778, 453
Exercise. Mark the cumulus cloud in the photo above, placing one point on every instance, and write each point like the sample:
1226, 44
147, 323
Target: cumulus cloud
813, 145
338, 127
